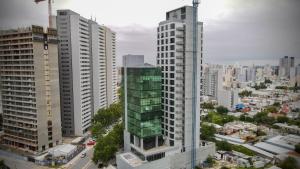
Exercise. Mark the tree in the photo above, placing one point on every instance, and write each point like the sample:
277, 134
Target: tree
223, 145
207, 132
276, 104
206, 105
288, 163
282, 119
297, 148
222, 110
107, 146
224, 167
271, 109
210, 161
263, 118
245, 93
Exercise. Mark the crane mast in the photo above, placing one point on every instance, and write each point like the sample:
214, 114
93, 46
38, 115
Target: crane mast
194, 82
49, 11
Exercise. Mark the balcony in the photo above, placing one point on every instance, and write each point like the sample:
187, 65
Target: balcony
179, 50
180, 29
179, 43
180, 36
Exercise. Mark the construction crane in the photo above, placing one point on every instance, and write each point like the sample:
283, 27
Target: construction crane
49, 10
194, 82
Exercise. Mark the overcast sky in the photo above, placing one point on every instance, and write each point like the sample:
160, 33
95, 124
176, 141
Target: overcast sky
243, 31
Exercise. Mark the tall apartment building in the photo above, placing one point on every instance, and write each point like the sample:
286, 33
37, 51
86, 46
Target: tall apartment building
174, 56
212, 81
111, 69
30, 88
103, 47
75, 72
145, 147
285, 64
88, 77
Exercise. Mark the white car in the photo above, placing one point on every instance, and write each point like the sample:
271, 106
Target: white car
83, 155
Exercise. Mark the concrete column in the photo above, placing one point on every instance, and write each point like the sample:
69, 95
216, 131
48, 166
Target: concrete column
156, 141
142, 144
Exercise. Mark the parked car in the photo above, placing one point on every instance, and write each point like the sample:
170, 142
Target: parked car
91, 142
83, 155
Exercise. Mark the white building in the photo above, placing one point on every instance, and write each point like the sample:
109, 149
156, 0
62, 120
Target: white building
285, 64
88, 75
174, 56
104, 71
133, 60
228, 98
212, 81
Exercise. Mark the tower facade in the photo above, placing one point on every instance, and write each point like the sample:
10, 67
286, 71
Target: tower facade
174, 56
30, 88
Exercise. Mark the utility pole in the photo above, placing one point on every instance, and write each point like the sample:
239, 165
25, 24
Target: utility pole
194, 84
49, 11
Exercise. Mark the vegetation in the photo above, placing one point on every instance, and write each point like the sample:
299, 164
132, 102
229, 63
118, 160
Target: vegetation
225, 146
207, 105
108, 145
295, 88
282, 119
222, 110
276, 104
260, 86
268, 81
210, 161
217, 118
297, 148
2, 165
207, 132
271, 109
105, 118
245, 93
288, 163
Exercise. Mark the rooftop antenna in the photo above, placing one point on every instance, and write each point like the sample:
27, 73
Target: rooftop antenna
194, 82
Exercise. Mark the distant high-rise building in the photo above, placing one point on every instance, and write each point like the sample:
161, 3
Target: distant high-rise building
88, 75
102, 47
285, 64
111, 67
30, 88
133, 60
212, 81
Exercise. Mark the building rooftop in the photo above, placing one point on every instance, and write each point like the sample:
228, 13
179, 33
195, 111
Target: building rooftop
271, 148
288, 141
131, 159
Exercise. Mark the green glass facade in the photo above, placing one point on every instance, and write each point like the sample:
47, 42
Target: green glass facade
144, 101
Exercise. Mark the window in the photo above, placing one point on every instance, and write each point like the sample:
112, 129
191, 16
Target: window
162, 28
166, 34
171, 96
172, 26
171, 143
172, 47
172, 40
166, 41
171, 122
157, 42
172, 116
171, 82
172, 68
172, 33
172, 109
172, 75
172, 102
172, 54
172, 61
158, 62
172, 89
166, 27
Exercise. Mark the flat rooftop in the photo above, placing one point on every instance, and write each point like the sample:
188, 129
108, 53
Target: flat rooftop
131, 159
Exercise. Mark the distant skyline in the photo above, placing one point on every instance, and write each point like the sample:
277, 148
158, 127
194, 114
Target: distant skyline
247, 32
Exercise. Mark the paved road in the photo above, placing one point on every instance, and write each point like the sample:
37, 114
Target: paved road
83, 163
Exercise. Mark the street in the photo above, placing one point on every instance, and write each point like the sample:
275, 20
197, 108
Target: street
82, 163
